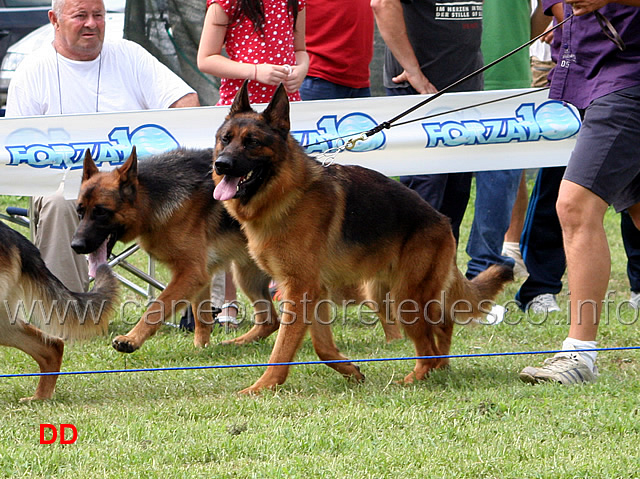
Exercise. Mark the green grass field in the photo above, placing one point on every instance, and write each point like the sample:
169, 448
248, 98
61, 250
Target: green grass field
476, 420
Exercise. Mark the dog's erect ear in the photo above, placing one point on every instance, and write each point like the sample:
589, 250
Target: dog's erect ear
129, 170
277, 112
241, 101
89, 167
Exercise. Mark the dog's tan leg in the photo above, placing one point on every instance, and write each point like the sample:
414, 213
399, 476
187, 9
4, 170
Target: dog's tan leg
419, 277
255, 284
378, 292
444, 333
183, 286
423, 340
293, 327
45, 350
326, 349
203, 318
410, 314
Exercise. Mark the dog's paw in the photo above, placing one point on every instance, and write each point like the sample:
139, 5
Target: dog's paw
123, 344
33, 399
250, 391
240, 340
200, 343
263, 384
358, 377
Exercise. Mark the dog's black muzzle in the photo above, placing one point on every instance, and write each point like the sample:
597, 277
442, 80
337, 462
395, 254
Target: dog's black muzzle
223, 165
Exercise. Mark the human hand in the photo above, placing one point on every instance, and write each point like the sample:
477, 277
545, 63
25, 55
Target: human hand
548, 37
272, 74
294, 80
582, 7
418, 81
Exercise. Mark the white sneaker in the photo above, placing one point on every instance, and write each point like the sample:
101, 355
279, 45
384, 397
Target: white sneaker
544, 304
634, 300
495, 316
512, 250
562, 368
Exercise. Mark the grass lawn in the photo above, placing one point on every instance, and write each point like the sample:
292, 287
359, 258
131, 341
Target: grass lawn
476, 420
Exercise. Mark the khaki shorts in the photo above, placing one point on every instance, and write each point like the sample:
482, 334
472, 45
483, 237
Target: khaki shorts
540, 71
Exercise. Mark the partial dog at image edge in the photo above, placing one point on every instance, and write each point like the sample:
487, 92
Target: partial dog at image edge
28, 288
314, 228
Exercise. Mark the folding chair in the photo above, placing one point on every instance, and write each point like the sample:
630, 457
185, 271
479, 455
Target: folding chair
20, 217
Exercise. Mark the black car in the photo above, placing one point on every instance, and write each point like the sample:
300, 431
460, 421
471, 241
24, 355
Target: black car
20, 17
17, 19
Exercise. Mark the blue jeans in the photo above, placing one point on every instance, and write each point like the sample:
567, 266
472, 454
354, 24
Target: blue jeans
631, 241
495, 195
447, 193
541, 240
314, 88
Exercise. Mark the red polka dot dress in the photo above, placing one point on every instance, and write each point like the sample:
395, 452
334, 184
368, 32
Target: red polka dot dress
244, 45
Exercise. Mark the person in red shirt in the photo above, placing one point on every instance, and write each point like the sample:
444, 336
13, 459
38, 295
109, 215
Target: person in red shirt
339, 38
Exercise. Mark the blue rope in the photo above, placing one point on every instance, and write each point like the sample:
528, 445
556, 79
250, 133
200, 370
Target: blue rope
303, 363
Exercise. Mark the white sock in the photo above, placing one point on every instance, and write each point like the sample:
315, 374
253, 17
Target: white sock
588, 357
508, 246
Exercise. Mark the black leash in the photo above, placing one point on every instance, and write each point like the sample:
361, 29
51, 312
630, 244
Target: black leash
387, 124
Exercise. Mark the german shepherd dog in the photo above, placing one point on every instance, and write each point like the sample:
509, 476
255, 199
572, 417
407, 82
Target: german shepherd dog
166, 204
314, 227
28, 288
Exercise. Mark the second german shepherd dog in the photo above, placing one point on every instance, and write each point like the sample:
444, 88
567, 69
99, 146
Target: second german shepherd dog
314, 228
166, 204
28, 288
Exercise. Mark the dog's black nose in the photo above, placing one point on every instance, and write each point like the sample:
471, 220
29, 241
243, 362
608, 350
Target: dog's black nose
79, 245
223, 165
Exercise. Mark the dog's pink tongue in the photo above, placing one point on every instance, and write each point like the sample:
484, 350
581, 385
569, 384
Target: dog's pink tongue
227, 188
97, 258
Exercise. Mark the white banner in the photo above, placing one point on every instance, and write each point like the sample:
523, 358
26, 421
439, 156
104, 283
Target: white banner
473, 131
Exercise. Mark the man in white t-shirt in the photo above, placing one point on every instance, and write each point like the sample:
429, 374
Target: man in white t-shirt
81, 73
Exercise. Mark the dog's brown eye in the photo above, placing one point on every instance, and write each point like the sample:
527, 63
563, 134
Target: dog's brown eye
225, 139
100, 212
80, 212
251, 143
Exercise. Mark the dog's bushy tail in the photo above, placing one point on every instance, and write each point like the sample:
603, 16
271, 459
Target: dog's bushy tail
66, 314
476, 296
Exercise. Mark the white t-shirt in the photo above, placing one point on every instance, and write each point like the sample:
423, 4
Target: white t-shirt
539, 49
123, 77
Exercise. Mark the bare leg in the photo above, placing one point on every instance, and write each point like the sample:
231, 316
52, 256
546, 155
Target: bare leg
518, 213
581, 215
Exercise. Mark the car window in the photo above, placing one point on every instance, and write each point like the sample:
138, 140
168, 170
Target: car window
24, 3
